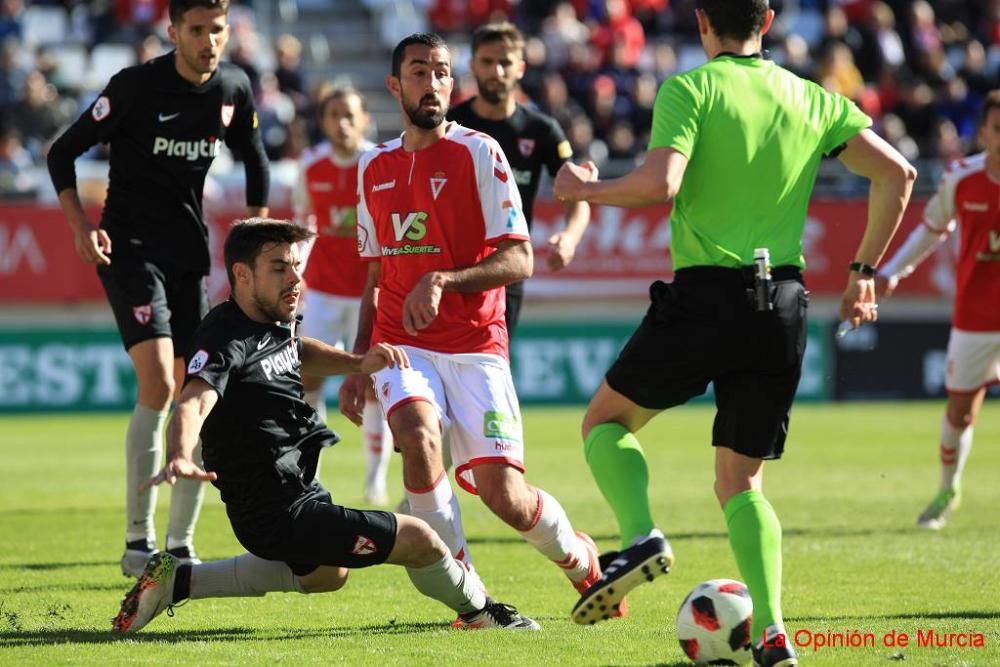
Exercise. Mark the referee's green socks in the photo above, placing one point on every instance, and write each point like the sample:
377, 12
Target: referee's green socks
619, 467
755, 536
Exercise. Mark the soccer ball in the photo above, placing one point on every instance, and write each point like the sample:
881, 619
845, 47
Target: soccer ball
713, 623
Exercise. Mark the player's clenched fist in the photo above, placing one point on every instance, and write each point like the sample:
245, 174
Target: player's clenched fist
569, 181
422, 303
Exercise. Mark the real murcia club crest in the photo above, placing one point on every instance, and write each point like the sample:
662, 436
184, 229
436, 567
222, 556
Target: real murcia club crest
227, 114
437, 182
526, 146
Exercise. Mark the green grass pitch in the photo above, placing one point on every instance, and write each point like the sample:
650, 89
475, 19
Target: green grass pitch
848, 491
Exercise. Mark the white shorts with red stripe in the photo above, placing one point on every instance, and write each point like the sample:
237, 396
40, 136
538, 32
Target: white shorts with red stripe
973, 360
330, 318
473, 395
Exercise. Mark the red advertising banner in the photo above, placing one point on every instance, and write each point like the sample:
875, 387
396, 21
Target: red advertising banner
621, 253
625, 250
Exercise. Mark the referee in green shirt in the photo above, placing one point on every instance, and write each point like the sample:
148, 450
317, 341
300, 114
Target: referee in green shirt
736, 144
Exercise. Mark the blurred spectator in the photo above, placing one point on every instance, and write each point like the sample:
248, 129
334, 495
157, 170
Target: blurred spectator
561, 30
836, 71
643, 96
139, 17
276, 112
973, 68
917, 111
12, 73
796, 56
147, 48
39, 114
16, 166
11, 19
291, 81
554, 100
651, 15
664, 61
894, 131
535, 67
244, 48
621, 28
960, 106
890, 45
947, 144
622, 143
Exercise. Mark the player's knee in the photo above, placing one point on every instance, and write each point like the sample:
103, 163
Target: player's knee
417, 545
324, 580
515, 506
156, 390
418, 439
959, 418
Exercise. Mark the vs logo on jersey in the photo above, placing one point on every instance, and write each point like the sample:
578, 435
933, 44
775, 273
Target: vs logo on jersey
412, 227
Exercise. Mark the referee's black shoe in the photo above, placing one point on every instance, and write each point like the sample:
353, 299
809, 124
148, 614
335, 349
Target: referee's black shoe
641, 562
774, 656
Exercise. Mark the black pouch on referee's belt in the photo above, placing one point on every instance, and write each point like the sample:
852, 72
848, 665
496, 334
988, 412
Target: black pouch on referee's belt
762, 280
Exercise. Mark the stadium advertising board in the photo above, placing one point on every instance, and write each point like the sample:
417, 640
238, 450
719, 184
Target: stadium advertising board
621, 253
66, 369
892, 360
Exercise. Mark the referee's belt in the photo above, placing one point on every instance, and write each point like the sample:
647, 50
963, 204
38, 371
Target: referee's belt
742, 276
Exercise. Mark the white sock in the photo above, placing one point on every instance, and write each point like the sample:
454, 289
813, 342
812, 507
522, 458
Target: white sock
956, 443
448, 581
185, 506
315, 399
552, 535
243, 576
438, 506
377, 440
143, 448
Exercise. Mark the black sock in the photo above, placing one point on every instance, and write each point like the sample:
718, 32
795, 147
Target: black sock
182, 583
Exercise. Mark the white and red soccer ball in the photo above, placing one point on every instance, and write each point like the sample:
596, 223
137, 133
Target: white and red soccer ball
713, 623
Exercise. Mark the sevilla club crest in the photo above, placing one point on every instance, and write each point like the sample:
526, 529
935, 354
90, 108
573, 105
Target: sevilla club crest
143, 314
526, 146
227, 114
363, 546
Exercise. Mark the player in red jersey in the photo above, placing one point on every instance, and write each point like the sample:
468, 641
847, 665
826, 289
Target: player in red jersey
326, 201
968, 198
441, 223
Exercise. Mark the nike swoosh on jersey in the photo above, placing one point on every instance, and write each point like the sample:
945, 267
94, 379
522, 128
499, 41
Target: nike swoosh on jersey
261, 344
164, 118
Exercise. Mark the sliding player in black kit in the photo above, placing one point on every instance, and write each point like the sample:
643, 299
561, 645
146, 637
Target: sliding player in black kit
165, 121
529, 139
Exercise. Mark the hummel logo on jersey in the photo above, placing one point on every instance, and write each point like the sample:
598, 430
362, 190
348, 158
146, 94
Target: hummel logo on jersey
994, 241
190, 150
977, 206
163, 118
363, 547
412, 226
437, 182
384, 186
280, 362
264, 341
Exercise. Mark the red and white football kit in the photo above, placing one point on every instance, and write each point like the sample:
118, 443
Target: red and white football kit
326, 198
445, 207
967, 198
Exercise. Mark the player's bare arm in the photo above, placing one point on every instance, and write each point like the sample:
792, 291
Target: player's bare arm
892, 177
92, 243
655, 181
196, 402
319, 358
513, 261
563, 244
351, 395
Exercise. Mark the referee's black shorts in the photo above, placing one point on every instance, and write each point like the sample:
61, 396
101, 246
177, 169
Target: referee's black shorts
318, 532
704, 327
151, 301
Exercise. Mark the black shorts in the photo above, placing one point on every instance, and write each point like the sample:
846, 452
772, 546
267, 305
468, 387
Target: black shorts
318, 532
704, 327
515, 297
151, 302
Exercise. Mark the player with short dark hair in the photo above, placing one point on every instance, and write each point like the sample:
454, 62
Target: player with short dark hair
530, 140
262, 443
736, 144
967, 199
441, 227
165, 121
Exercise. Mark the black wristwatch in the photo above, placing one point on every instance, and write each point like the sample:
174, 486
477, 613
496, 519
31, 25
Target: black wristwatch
867, 270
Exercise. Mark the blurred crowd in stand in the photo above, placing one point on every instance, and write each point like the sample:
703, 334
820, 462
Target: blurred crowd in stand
919, 69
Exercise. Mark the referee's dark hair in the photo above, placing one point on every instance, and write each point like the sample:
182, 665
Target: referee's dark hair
247, 239
735, 19
428, 39
502, 31
178, 7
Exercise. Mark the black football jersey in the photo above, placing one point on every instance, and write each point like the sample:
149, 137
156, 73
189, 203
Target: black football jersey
164, 132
